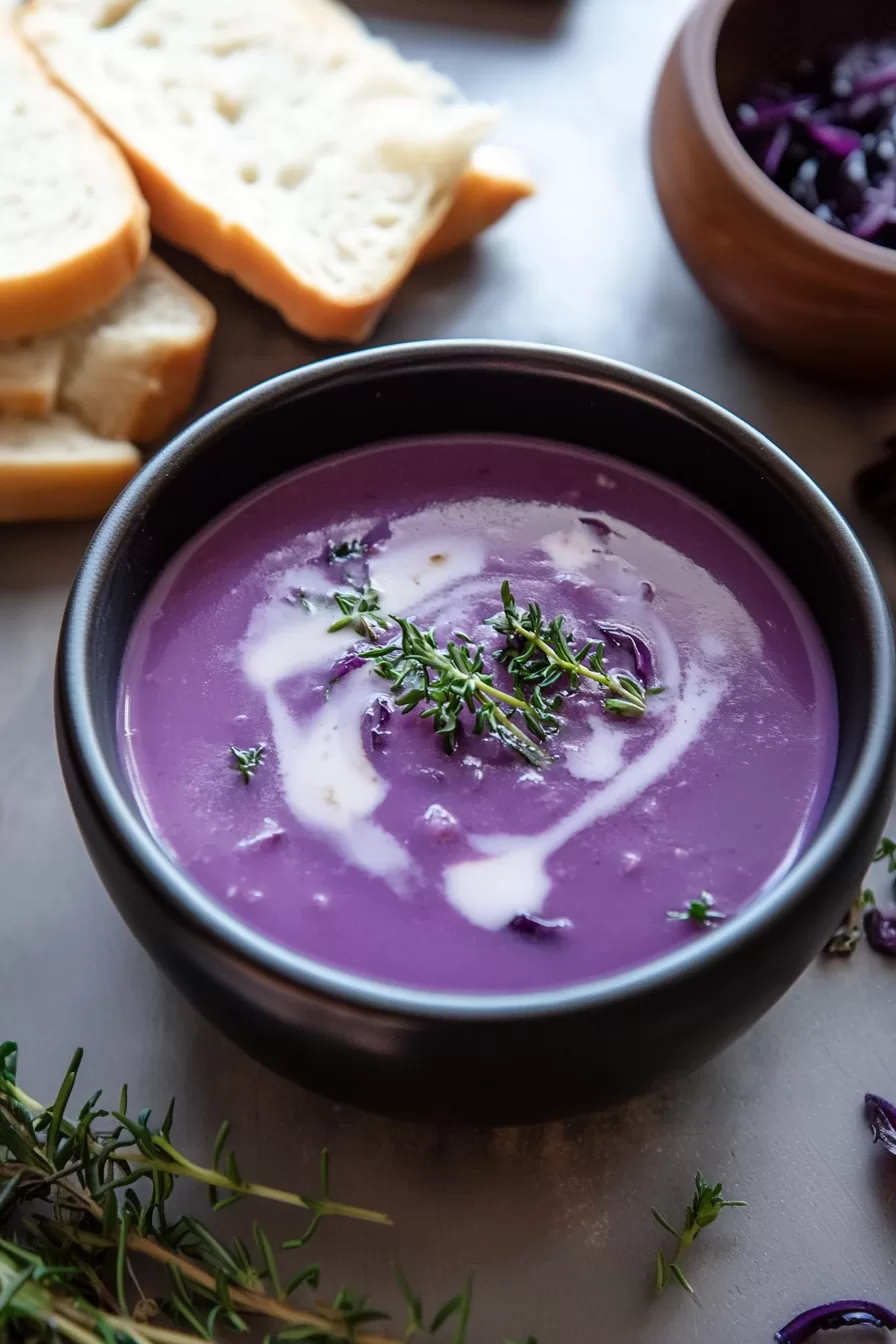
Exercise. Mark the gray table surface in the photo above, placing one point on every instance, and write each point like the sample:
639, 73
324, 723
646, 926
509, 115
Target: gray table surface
554, 1219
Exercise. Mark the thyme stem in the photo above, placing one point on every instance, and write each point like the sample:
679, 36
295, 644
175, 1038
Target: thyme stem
183, 1166
627, 695
85, 1202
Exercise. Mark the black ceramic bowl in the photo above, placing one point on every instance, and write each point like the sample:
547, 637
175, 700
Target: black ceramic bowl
499, 1058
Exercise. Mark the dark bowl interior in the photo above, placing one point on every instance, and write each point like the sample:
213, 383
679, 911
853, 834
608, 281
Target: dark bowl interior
415, 1053
761, 39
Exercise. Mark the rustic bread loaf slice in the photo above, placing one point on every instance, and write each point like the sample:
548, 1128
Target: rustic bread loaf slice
274, 138
73, 226
129, 371
495, 180
52, 469
134, 368
30, 371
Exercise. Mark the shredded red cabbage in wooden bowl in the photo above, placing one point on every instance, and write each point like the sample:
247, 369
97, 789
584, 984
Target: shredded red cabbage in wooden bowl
827, 136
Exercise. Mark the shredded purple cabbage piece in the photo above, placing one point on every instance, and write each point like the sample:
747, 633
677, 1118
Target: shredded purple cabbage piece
881, 1117
535, 927
379, 533
880, 930
835, 1316
629, 640
597, 526
377, 718
347, 663
350, 557
827, 136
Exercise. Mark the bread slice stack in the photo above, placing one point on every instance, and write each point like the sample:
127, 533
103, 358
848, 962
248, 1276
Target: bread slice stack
73, 225
277, 140
73, 403
101, 345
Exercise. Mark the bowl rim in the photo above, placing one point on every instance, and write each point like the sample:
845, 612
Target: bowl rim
699, 38
185, 899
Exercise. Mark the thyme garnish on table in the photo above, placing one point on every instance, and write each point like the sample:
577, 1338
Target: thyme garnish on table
701, 910
451, 680
81, 1204
246, 760
537, 655
703, 1210
848, 934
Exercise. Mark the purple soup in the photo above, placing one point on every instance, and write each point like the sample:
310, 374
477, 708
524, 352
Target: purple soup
657, 738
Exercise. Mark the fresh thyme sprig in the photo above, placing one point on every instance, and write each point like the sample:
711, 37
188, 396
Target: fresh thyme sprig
701, 910
246, 760
452, 680
84, 1203
360, 610
703, 1210
537, 655
847, 936
340, 551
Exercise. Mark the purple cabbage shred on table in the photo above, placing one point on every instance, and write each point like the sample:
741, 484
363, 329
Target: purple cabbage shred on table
881, 1117
835, 1316
880, 930
827, 136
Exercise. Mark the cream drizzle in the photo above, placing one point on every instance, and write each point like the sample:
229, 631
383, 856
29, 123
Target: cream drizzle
513, 879
330, 783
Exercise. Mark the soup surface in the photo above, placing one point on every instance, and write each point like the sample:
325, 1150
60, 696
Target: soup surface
692, 756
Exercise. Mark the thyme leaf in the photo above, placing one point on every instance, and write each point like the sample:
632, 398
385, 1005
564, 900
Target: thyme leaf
537, 654
701, 910
847, 936
339, 551
452, 682
361, 611
246, 760
702, 1212
84, 1199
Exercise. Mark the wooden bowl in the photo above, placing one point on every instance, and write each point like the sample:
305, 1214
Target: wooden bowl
784, 279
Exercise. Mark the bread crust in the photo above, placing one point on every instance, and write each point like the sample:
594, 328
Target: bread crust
227, 246
483, 197
231, 249
45, 300
168, 381
76, 487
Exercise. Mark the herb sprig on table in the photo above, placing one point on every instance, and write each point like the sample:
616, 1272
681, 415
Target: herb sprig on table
880, 928
703, 1210
83, 1201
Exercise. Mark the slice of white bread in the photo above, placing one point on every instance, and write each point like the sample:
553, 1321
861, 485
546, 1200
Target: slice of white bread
135, 368
128, 372
30, 374
274, 138
495, 180
52, 469
73, 226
